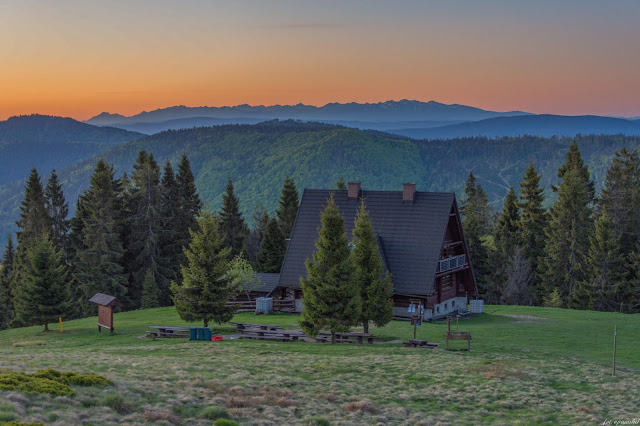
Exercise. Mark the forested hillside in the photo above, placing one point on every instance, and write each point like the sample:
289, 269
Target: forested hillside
258, 157
46, 142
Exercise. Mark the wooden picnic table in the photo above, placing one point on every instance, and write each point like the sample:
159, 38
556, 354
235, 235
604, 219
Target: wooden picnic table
165, 331
415, 343
242, 326
347, 337
282, 335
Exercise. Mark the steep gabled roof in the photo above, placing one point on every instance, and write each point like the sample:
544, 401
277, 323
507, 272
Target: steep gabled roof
268, 282
105, 300
411, 233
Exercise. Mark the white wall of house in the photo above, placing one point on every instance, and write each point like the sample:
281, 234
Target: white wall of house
456, 304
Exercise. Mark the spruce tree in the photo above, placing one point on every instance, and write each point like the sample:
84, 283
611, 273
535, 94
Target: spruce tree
604, 275
149, 292
570, 227
206, 284
232, 224
260, 219
6, 276
288, 206
58, 210
475, 223
507, 239
98, 265
43, 296
171, 206
148, 229
331, 298
34, 221
532, 224
189, 200
340, 184
375, 289
272, 248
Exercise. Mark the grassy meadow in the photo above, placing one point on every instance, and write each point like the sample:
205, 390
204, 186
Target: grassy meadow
527, 366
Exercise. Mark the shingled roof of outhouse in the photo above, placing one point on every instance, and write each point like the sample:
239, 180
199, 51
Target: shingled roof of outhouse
411, 232
105, 300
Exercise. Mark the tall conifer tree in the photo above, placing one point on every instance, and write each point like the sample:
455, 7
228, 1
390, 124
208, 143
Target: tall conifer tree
260, 219
604, 274
272, 248
6, 276
171, 206
98, 265
375, 289
532, 224
58, 210
206, 284
34, 221
232, 224
288, 208
43, 296
331, 298
475, 208
148, 228
189, 199
570, 227
507, 241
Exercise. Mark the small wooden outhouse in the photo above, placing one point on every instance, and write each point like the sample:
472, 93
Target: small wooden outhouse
105, 304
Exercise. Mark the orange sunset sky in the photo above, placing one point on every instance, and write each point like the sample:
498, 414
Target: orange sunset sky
79, 58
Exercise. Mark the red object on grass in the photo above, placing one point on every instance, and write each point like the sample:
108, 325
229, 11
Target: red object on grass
216, 338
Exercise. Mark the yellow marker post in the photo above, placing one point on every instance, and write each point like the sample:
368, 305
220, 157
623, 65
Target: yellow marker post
60, 319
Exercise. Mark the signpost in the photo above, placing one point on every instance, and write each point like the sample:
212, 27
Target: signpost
416, 309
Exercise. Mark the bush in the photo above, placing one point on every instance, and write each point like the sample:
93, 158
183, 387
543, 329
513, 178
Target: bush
214, 413
318, 421
53, 382
117, 402
224, 422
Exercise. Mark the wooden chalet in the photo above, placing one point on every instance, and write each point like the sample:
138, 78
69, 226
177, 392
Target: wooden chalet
420, 240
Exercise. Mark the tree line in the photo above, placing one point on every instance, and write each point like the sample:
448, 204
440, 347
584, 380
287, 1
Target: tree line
128, 239
581, 253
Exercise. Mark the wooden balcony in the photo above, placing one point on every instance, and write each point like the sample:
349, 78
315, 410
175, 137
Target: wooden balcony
451, 263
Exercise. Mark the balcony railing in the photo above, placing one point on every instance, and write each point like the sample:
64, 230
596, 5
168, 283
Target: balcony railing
453, 262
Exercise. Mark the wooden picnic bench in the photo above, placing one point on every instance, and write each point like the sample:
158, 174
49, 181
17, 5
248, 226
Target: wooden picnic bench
164, 331
281, 335
241, 327
414, 343
346, 337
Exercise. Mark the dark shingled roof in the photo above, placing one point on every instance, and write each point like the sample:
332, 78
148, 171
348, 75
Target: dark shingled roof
105, 300
268, 282
411, 234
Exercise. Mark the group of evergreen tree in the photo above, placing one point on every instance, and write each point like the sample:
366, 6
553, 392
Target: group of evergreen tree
346, 284
130, 238
125, 240
582, 253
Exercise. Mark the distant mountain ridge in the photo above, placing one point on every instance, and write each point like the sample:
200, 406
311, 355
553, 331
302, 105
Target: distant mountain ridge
544, 125
404, 110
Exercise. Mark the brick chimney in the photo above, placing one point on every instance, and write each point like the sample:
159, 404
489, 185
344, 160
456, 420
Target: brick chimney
408, 191
353, 190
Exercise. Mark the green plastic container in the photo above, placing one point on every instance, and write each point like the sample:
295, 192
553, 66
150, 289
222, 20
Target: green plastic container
201, 333
207, 334
193, 333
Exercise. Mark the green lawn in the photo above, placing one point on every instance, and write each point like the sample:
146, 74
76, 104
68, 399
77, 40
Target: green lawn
527, 365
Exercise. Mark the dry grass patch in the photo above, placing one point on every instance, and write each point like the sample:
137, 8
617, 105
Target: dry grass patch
160, 415
330, 396
28, 343
362, 406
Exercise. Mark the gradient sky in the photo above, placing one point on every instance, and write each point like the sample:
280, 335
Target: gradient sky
79, 58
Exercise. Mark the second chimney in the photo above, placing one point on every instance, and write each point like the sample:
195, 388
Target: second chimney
408, 191
353, 190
